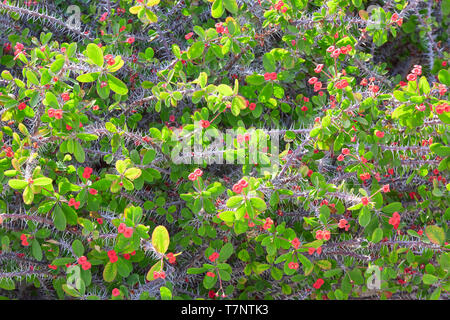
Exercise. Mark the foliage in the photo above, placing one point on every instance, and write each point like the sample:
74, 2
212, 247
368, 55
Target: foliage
94, 205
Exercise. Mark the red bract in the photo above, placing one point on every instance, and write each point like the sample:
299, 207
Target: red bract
122, 227
116, 292
386, 188
237, 188
293, 265
213, 257
87, 173
21, 106
93, 191
365, 201
210, 274
319, 282
411, 77
295, 243
318, 68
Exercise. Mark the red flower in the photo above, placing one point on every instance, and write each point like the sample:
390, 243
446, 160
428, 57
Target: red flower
394, 17
411, 77
243, 183
211, 294
213, 257
342, 223
268, 224
386, 188
87, 172
317, 86
171, 257
82, 260
326, 234
128, 232
252, 106
311, 250
365, 201
293, 265
205, 123
100, 220
192, 177
363, 82
58, 114
341, 84
318, 283
189, 35
295, 243
319, 250
210, 274
312, 80
198, 172
130, 40
52, 267
65, 96
318, 68
122, 227
219, 27
379, 134
319, 235
126, 256
341, 157
304, 108
22, 106
86, 266
237, 188
116, 292
93, 191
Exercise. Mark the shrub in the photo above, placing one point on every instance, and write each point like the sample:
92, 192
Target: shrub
113, 131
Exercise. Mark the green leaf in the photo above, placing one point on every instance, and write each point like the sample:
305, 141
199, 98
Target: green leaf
28, 195
258, 204
133, 173
230, 5
110, 272
42, 181
435, 234
156, 267
95, 53
226, 252
227, 216
165, 292
57, 65
196, 50
217, 9
88, 77
59, 218
234, 202
117, 85
160, 239
429, 279
224, 90
444, 77
392, 207
36, 250
78, 248
237, 105
266, 93
78, 152
377, 235
17, 184
364, 217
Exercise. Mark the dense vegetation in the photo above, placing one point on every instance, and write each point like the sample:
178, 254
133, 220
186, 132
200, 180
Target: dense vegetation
224, 149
